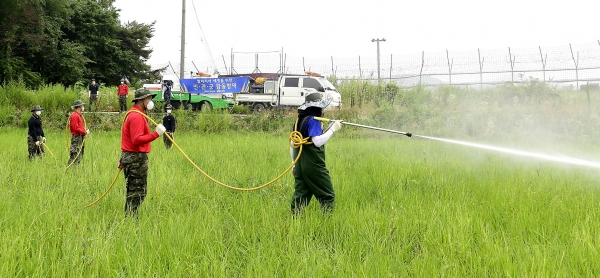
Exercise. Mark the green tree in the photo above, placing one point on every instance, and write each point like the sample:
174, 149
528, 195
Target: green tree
65, 41
114, 50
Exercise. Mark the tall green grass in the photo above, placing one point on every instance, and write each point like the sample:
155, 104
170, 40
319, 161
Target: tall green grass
529, 114
405, 207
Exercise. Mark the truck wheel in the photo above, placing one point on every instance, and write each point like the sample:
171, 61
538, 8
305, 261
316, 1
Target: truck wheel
205, 106
259, 107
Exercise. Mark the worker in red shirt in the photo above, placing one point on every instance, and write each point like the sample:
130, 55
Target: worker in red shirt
122, 94
78, 133
135, 146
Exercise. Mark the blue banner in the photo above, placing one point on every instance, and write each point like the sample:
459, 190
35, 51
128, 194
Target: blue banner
215, 85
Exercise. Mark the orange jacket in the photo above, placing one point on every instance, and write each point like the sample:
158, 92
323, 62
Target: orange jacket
135, 135
123, 90
76, 124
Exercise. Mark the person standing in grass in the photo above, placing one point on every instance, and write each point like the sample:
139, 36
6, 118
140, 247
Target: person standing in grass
310, 172
35, 135
135, 146
93, 93
169, 122
122, 93
78, 133
167, 92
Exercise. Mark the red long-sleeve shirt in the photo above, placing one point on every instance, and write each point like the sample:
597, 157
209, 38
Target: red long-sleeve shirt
135, 135
76, 124
123, 90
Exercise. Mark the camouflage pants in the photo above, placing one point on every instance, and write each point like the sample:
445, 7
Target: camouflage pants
33, 149
168, 142
74, 153
94, 101
122, 103
135, 168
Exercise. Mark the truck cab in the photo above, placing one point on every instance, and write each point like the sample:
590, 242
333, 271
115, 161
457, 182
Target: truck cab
292, 88
269, 90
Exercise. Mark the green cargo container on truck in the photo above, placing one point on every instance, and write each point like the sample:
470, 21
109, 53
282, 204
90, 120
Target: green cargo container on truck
188, 98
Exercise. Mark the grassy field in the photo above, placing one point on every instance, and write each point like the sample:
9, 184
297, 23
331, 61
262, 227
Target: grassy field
405, 207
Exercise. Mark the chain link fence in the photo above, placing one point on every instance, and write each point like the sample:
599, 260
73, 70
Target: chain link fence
568, 65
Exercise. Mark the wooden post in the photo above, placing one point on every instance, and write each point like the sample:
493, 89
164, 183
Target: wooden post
543, 63
450, 64
480, 70
512, 66
576, 66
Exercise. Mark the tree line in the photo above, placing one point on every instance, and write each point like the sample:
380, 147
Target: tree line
70, 42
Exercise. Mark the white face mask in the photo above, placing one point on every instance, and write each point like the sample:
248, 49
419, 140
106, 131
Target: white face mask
38, 113
122, 82
150, 105
82, 108
93, 83
169, 111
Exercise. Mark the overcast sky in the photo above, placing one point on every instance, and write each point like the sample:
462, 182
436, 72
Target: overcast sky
339, 28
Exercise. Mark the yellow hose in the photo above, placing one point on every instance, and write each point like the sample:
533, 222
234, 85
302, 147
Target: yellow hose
48, 150
107, 190
295, 140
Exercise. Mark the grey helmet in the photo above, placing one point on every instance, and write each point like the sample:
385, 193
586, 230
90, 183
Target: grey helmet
142, 93
77, 103
313, 98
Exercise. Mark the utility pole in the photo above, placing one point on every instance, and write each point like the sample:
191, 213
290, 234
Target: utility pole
182, 59
378, 61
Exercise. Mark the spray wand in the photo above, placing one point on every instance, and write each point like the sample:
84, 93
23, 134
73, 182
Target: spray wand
366, 126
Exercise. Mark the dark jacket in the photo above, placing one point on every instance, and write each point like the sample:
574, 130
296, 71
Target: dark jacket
169, 122
93, 89
167, 90
35, 127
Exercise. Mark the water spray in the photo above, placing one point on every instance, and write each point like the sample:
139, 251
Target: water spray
563, 159
568, 160
366, 126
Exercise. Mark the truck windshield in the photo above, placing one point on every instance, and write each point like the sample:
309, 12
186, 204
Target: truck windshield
327, 85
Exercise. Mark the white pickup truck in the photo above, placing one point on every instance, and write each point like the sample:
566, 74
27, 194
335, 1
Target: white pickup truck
270, 90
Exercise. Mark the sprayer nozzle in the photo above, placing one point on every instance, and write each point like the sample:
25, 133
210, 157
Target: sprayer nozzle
409, 134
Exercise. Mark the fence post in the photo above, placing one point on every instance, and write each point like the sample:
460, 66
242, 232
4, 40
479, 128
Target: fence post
280, 62
449, 66
361, 85
284, 62
576, 66
422, 64
224, 64
512, 66
480, 70
544, 60
332, 71
303, 66
391, 64
255, 63
232, 69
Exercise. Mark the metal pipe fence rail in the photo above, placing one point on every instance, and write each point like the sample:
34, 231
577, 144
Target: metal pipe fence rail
568, 65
